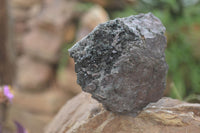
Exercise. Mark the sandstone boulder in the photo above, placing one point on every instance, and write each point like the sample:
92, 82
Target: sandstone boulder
77, 110
83, 114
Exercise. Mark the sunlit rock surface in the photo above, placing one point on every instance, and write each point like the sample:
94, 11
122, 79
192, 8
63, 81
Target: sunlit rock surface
83, 114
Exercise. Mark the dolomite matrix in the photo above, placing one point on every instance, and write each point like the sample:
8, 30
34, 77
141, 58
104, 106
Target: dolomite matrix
122, 63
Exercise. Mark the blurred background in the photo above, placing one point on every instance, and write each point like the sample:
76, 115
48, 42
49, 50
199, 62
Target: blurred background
36, 34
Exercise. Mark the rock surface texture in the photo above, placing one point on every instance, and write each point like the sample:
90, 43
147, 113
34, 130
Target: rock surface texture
122, 63
82, 114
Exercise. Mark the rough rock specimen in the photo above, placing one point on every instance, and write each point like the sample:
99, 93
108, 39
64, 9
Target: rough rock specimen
82, 114
122, 63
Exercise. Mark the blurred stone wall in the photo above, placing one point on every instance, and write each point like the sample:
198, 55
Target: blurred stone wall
41, 29
6, 50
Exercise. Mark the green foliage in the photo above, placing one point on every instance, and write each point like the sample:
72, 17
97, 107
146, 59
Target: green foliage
64, 55
179, 18
83, 7
124, 13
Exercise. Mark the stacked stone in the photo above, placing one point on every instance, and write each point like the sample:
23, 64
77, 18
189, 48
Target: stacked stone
39, 41
41, 29
165, 116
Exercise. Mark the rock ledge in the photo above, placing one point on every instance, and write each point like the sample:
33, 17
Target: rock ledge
83, 114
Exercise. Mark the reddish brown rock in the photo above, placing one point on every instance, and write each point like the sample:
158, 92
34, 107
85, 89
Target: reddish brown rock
78, 109
32, 75
83, 114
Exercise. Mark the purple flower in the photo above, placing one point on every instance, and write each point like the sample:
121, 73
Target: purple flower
20, 128
7, 93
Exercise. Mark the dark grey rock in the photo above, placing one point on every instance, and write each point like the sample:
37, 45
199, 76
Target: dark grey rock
122, 63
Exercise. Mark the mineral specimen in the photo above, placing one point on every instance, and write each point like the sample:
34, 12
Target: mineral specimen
122, 63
